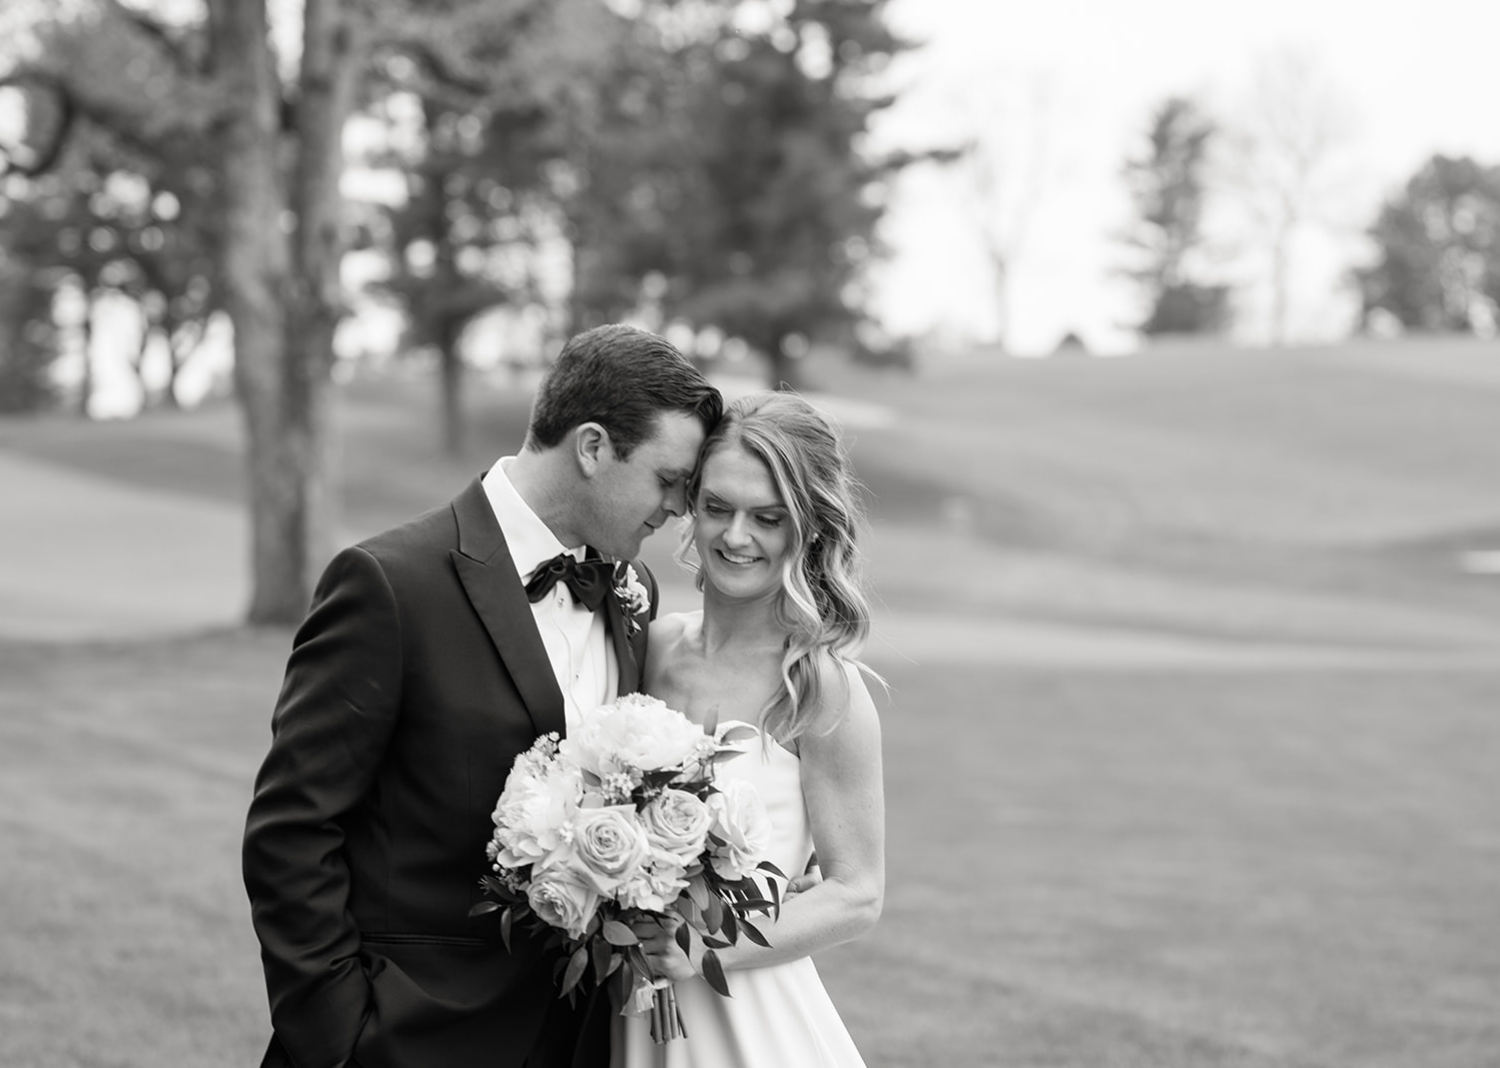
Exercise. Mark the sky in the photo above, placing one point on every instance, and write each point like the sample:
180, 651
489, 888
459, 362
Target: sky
1064, 90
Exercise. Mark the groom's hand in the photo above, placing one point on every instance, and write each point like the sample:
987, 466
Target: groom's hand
806, 881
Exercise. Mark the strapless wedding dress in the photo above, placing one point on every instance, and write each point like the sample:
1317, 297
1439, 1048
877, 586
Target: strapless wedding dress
780, 1016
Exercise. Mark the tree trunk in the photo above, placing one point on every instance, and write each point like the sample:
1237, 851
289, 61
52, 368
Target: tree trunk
785, 374
282, 294
86, 382
451, 384
1280, 283
255, 276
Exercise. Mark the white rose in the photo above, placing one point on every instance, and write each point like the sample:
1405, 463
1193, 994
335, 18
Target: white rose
655, 885
563, 898
610, 844
678, 822
742, 824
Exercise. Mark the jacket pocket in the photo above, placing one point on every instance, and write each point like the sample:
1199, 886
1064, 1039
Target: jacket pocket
401, 939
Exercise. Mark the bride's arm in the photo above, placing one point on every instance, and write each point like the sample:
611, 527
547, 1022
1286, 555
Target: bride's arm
842, 785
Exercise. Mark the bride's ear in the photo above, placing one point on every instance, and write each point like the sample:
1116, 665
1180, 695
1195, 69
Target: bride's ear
591, 448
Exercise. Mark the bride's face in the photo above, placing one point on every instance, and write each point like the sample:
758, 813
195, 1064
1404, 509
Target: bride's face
742, 526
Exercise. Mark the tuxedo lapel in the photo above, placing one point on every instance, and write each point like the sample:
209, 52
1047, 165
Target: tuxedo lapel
488, 574
625, 652
619, 624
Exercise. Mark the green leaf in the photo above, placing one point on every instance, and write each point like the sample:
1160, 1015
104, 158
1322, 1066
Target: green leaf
752, 932
576, 965
766, 865
714, 943
484, 908
505, 925
698, 890
602, 955
684, 938
742, 733
731, 926
752, 904
713, 913
713, 971
617, 934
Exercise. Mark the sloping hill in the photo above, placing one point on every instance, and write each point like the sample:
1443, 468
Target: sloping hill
1309, 496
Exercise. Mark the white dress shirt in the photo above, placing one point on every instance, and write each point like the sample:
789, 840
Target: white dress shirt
578, 647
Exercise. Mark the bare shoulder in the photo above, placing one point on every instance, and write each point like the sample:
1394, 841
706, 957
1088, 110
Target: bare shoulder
856, 733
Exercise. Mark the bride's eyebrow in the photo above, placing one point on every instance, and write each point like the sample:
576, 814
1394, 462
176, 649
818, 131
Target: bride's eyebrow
714, 498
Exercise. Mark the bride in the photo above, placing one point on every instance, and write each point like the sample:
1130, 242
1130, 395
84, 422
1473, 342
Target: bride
773, 521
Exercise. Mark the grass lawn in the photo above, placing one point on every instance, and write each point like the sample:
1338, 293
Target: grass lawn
1190, 754
1087, 869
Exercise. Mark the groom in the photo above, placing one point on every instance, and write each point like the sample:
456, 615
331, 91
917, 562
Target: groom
433, 654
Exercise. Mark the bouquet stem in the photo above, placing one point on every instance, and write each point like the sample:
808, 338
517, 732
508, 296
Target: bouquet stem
666, 1020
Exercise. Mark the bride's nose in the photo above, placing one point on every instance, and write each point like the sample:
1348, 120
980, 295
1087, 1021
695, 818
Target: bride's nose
735, 533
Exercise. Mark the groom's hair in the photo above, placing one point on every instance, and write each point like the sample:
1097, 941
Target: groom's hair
621, 377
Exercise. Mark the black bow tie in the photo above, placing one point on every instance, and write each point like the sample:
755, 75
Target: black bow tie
588, 581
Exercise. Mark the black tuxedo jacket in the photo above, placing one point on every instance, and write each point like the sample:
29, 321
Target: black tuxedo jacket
415, 681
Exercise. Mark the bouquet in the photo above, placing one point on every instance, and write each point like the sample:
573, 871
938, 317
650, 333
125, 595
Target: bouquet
622, 821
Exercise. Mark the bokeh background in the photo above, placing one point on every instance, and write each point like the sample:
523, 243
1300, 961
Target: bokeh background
1165, 343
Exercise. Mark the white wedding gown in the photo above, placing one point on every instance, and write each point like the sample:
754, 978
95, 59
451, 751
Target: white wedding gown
780, 1016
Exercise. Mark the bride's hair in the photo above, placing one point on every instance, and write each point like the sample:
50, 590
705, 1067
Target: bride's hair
822, 607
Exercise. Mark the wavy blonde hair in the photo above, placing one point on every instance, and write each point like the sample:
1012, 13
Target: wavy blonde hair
822, 606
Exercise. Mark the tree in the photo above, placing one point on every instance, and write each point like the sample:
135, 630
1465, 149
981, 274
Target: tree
111, 220
277, 138
1011, 169
1278, 164
476, 142
766, 226
1169, 187
28, 346
1437, 246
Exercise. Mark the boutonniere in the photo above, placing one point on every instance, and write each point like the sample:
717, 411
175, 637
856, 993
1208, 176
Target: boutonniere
632, 594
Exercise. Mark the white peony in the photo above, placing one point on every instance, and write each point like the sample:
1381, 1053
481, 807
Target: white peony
635, 734
534, 815
742, 824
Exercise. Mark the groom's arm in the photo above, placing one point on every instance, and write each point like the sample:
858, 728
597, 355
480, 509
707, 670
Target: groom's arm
332, 724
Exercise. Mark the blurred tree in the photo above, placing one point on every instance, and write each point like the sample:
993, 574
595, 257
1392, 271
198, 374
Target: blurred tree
1011, 166
476, 137
210, 72
1278, 163
1169, 186
771, 222
1438, 250
28, 346
111, 219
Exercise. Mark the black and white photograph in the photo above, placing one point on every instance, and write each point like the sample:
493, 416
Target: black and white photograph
749, 534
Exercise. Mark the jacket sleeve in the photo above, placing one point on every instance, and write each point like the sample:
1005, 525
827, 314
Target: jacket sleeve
332, 724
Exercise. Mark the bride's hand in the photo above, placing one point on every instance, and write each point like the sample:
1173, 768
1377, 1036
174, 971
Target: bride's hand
659, 944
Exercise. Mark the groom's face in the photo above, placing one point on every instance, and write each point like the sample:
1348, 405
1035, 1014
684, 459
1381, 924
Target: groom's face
635, 496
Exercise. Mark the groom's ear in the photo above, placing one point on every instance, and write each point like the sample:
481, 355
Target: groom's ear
591, 447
